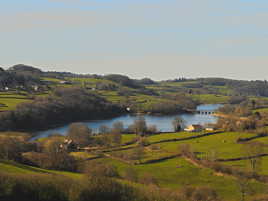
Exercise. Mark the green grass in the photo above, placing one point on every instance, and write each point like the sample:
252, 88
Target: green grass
177, 84
263, 140
178, 173
262, 110
224, 144
82, 155
12, 167
128, 138
51, 79
245, 165
210, 98
169, 136
11, 103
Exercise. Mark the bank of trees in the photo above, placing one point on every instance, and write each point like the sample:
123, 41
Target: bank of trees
11, 148
64, 105
241, 117
12, 80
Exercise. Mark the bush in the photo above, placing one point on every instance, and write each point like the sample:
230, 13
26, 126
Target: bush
11, 148
131, 174
200, 194
98, 170
148, 179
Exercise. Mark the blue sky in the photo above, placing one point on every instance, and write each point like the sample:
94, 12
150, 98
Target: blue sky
160, 39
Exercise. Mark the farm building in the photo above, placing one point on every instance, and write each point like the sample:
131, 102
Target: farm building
194, 128
209, 129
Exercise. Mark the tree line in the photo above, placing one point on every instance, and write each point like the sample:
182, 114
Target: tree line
62, 106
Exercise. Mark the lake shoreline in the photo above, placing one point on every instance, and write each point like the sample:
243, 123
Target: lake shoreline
162, 121
31, 132
33, 135
108, 118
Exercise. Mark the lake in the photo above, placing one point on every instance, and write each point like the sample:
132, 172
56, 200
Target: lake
163, 123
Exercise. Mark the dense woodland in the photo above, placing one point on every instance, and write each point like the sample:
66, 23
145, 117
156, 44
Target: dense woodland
64, 105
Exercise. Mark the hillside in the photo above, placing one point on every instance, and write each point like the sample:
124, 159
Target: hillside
163, 165
22, 83
137, 163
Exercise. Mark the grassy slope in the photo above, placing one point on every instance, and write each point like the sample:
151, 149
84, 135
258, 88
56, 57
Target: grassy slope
245, 164
11, 167
11, 102
177, 172
223, 144
210, 98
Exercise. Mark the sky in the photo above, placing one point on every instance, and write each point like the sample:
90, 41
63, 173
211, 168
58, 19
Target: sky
160, 39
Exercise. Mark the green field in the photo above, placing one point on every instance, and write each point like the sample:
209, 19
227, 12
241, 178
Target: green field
12, 167
177, 173
11, 103
262, 110
172, 173
210, 98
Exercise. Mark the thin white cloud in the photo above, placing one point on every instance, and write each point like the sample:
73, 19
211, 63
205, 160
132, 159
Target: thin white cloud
167, 66
139, 38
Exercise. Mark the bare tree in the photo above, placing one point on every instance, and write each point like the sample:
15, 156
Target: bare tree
137, 153
118, 127
10, 148
116, 132
80, 134
140, 126
103, 129
131, 174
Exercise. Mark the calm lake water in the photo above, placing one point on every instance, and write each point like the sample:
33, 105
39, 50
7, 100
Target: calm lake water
163, 123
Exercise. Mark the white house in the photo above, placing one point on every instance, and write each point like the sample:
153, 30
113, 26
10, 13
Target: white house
209, 129
194, 128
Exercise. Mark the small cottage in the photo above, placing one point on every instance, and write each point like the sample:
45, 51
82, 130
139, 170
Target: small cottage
209, 129
194, 128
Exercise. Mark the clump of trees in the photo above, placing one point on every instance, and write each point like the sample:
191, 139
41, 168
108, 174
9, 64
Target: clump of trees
80, 134
240, 117
123, 80
11, 148
60, 188
61, 107
236, 110
110, 136
51, 154
235, 124
141, 128
95, 170
12, 79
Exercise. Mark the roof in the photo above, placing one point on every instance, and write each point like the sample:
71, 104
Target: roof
196, 126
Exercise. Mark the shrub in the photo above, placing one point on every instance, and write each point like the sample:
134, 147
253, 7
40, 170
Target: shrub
148, 179
98, 170
131, 174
